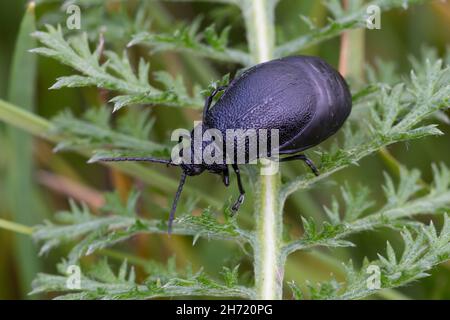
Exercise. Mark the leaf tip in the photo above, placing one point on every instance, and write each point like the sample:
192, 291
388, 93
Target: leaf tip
117, 107
92, 160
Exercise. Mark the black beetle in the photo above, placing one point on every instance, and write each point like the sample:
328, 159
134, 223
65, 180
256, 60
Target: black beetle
303, 97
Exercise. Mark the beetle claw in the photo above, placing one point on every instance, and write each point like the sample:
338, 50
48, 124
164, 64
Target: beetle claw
237, 205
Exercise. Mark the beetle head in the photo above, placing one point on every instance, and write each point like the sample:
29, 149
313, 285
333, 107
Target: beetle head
192, 169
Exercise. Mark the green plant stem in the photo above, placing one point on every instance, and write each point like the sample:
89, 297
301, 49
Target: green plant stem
390, 161
259, 17
15, 227
25, 120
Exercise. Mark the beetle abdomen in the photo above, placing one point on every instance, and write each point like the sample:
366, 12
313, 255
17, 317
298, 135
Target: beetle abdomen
268, 96
333, 104
303, 97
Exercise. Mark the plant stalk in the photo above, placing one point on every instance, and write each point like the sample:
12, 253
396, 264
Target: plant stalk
15, 227
259, 17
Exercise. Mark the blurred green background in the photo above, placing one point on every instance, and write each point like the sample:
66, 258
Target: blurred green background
57, 177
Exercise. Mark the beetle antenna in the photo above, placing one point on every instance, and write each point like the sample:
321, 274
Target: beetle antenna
175, 202
133, 159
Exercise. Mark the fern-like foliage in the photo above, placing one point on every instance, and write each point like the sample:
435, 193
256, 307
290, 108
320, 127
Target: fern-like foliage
209, 43
402, 202
341, 20
424, 248
116, 74
387, 110
93, 131
120, 222
99, 22
101, 282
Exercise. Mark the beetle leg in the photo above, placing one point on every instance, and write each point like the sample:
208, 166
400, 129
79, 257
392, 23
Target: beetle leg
226, 177
209, 100
241, 198
175, 202
305, 159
